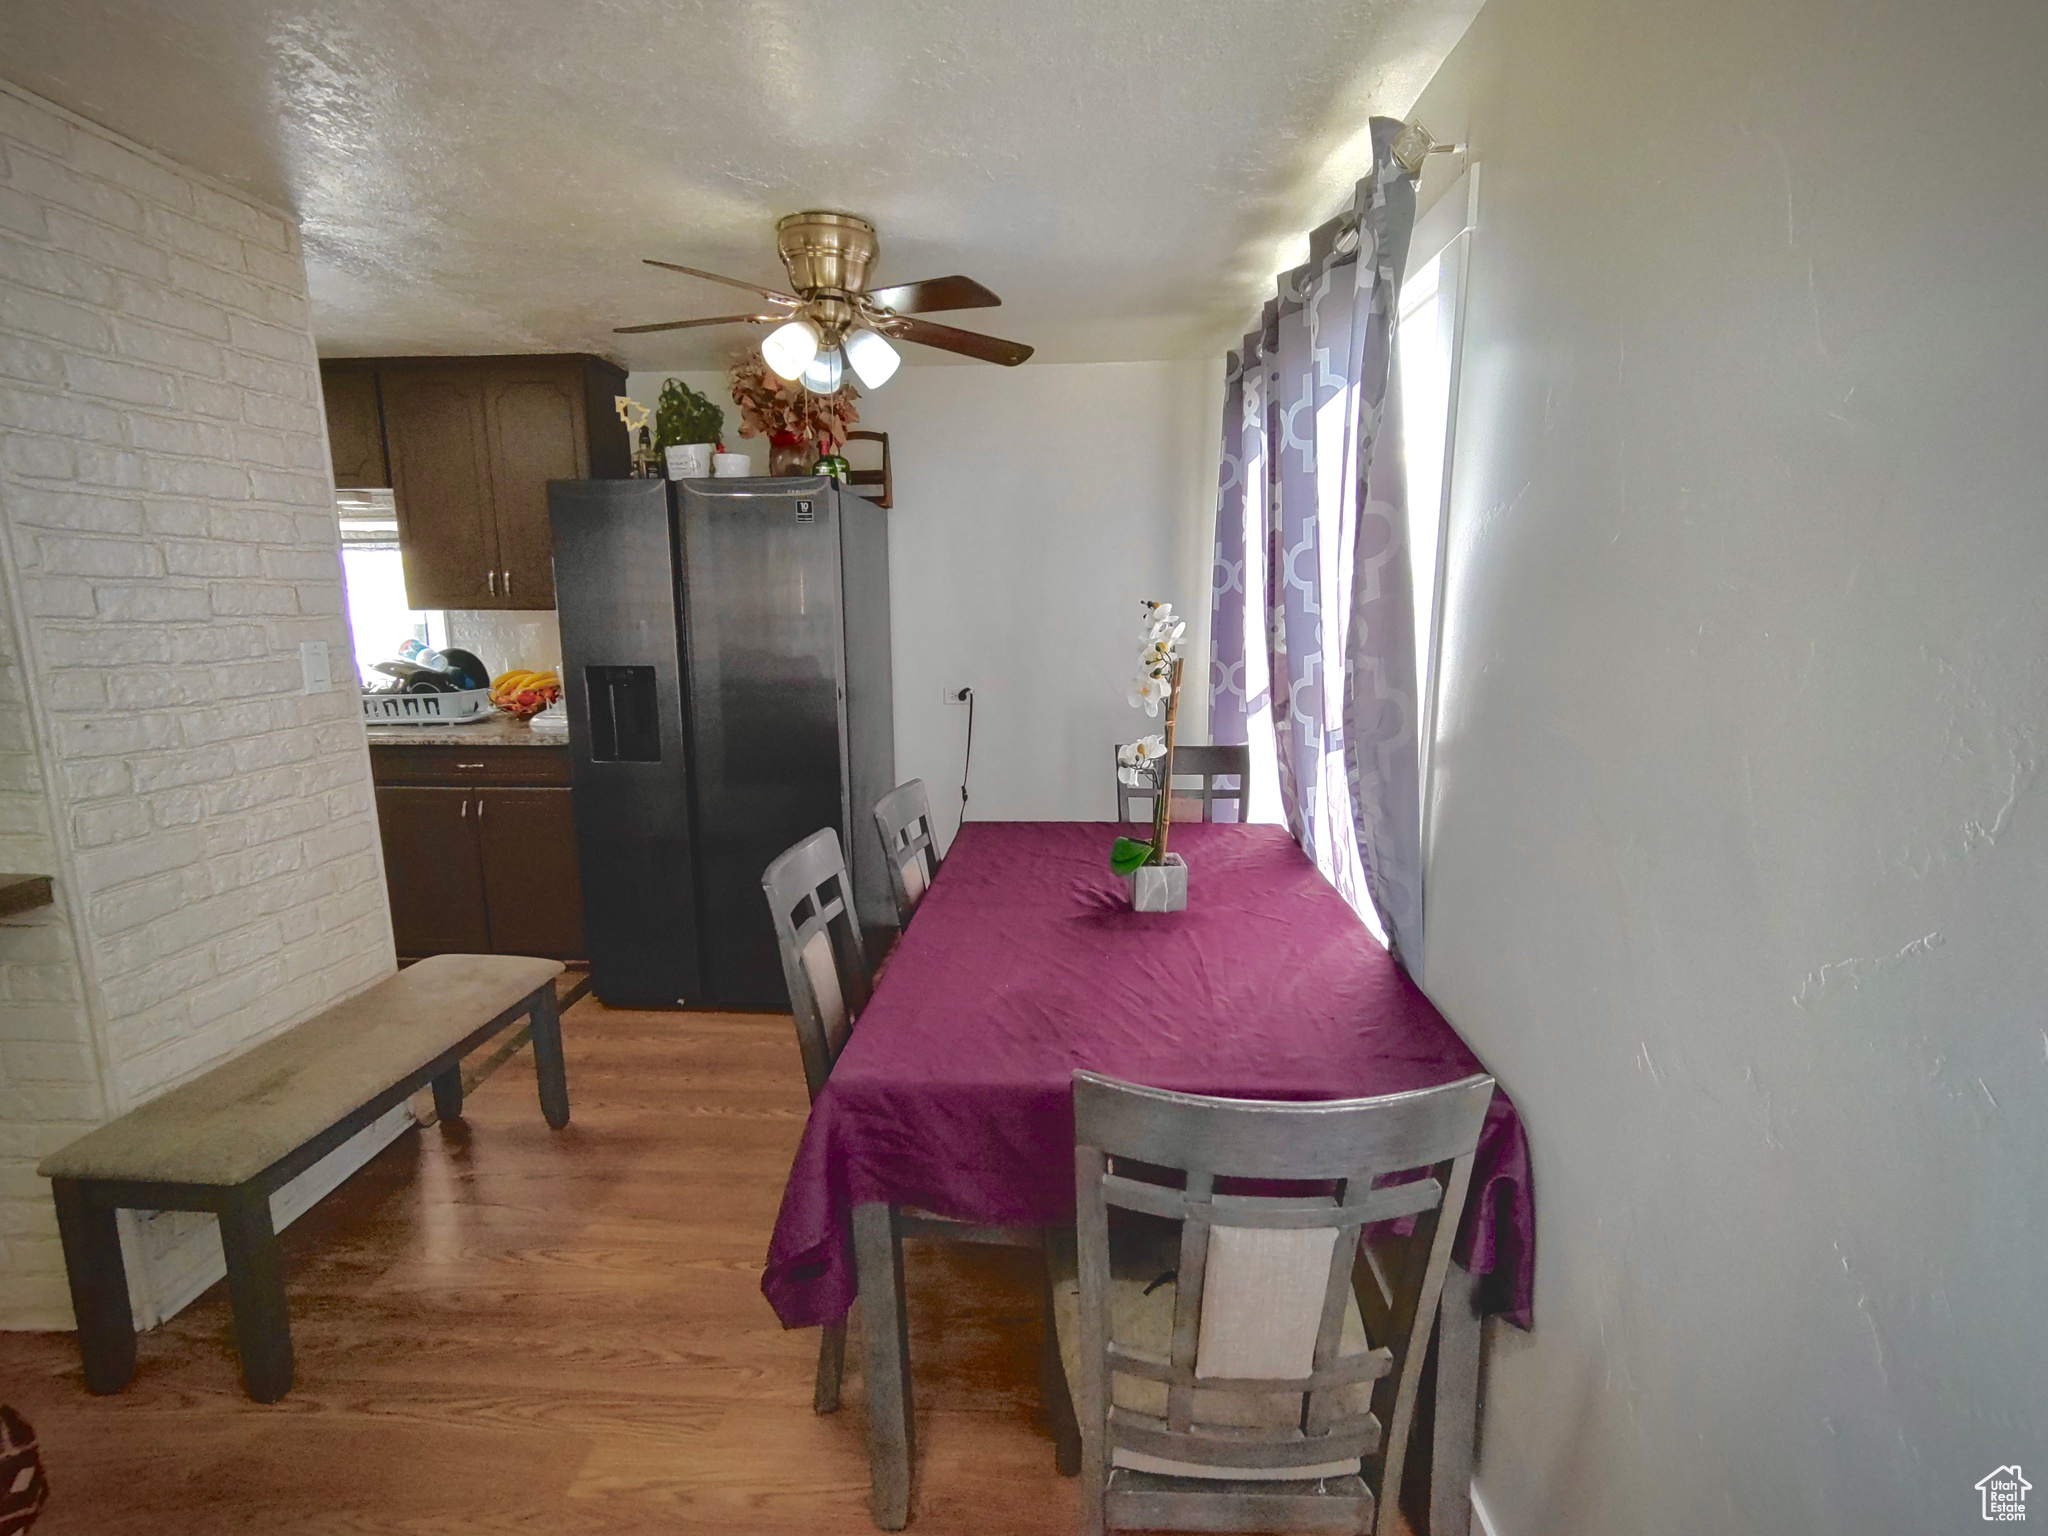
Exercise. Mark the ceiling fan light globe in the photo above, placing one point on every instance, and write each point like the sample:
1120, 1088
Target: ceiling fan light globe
825, 372
790, 349
873, 360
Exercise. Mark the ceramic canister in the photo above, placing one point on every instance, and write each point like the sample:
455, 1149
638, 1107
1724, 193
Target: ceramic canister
688, 461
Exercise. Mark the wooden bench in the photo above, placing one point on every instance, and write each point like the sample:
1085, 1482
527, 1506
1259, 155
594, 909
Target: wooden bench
224, 1141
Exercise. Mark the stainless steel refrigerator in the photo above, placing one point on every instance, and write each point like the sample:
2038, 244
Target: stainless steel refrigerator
725, 665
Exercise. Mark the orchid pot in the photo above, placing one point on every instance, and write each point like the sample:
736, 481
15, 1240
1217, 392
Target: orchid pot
1161, 887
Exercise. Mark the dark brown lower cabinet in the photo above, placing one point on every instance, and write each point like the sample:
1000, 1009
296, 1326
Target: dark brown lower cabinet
432, 867
477, 867
527, 842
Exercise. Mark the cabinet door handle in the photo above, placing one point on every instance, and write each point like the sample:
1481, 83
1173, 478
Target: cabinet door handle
493, 576
476, 766
508, 582
479, 808
465, 810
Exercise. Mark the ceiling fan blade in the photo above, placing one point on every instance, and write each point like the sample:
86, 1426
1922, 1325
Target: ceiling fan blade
731, 282
684, 325
990, 349
934, 293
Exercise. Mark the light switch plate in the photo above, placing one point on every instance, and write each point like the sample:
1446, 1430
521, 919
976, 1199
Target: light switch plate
313, 666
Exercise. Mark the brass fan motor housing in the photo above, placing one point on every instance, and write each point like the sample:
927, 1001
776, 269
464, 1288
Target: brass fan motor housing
827, 250
834, 314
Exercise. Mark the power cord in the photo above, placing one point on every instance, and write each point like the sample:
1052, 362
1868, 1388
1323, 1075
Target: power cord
966, 696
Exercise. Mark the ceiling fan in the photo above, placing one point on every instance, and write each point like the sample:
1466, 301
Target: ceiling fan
833, 321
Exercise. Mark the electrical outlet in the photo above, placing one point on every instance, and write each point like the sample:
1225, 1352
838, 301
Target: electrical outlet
313, 666
957, 693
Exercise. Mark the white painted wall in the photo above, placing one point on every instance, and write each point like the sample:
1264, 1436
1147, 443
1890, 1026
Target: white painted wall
167, 539
1740, 876
1035, 508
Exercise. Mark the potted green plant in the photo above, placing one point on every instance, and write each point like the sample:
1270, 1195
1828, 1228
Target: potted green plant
688, 429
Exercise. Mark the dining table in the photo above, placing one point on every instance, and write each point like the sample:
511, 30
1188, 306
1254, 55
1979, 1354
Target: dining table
1025, 961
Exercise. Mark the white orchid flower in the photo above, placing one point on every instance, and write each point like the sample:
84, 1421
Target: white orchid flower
1140, 760
1163, 627
1157, 656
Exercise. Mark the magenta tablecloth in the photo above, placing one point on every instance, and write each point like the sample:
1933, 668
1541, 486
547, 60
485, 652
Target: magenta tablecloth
1025, 962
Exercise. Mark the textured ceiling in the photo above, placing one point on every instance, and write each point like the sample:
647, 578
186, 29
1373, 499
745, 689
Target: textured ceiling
484, 175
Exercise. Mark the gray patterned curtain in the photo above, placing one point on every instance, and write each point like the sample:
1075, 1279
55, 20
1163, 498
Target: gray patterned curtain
1310, 384
1309, 502
1382, 751
1240, 700
1229, 703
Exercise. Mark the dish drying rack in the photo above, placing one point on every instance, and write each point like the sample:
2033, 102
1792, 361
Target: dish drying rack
470, 704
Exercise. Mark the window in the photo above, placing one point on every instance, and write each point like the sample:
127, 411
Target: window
1310, 503
378, 619
1425, 407
1428, 340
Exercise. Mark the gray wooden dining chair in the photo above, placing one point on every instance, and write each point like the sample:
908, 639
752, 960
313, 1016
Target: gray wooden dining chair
824, 964
1240, 1361
1206, 767
904, 818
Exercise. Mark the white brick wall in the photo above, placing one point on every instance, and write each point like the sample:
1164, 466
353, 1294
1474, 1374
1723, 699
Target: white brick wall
49, 1072
167, 539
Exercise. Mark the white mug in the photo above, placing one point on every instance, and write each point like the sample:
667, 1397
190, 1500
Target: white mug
731, 466
688, 461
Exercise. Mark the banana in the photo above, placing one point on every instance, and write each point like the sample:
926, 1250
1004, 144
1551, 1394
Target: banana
509, 686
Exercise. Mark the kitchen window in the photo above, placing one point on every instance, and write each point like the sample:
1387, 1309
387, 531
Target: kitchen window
379, 619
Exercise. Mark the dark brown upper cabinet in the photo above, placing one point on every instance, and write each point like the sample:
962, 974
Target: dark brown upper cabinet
472, 443
441, 480
355, 428
537, 432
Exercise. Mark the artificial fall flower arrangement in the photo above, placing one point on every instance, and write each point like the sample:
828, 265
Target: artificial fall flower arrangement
786, 412
1147, 763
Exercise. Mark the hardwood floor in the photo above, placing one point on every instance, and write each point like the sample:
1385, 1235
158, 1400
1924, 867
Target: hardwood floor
505, 1329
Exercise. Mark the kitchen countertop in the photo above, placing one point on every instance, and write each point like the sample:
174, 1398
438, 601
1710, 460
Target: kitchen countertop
497, 730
